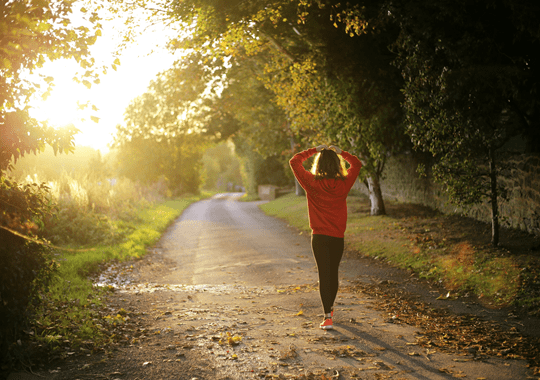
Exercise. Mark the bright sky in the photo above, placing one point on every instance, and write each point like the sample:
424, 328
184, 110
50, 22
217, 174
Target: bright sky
111, 96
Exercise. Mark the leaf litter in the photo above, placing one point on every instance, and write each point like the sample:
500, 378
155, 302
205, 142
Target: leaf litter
441, 330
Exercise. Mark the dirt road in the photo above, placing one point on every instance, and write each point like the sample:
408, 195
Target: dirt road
230, 293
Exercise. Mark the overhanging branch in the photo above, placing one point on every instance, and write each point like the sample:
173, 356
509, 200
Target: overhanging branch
278, 46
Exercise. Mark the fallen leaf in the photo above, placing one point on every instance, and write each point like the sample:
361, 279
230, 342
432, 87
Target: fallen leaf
441, 297
230, 339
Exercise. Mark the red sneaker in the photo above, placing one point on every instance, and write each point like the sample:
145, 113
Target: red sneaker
327, 324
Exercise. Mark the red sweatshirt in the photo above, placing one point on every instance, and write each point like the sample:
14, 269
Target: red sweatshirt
327, 198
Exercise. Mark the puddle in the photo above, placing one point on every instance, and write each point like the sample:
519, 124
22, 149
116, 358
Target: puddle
112, 277
202, 288
125, 286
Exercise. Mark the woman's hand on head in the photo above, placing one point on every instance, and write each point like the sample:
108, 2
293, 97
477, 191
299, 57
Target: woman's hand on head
321, 147
335, 149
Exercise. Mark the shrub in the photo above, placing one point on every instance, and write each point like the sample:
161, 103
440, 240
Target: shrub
25, 271
25, 267
71, 226
96, 212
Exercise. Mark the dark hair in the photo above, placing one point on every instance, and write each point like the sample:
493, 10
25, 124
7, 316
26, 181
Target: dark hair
328, 164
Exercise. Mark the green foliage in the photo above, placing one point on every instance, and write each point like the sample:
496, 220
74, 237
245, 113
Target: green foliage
25, 271
292, 75
327, 86
251, 164
273, 171
259, 170
262, 124
176, 161
261, 132
23, 207
162, 136
470, 86
221, 167
71, 226
88, 208
94, 212
32, 33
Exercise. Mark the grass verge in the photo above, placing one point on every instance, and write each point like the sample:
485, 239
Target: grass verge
71, 316
451, 250
249, 198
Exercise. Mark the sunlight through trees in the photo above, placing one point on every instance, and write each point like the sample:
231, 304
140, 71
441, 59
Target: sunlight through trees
454, 80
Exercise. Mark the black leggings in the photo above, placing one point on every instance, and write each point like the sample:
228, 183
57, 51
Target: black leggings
328, 251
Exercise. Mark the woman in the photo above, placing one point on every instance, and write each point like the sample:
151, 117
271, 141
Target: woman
327, 187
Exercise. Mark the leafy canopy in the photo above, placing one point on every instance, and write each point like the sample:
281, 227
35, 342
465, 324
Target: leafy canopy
34, 32
471, 85
162, 135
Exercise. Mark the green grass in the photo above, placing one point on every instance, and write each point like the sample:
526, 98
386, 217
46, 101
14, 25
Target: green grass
291, 208
249, 198
69, 310
461, 267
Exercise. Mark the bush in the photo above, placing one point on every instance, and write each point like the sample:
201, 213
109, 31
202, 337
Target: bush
25, 271
25, 267
96, 212
72, 226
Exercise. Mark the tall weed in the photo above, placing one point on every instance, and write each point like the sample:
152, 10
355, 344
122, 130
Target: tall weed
88, 210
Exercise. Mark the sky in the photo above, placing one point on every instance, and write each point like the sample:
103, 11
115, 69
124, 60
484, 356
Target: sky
112, 95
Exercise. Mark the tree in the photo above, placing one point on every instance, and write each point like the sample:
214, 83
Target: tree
330, 86
34, 32
31, 32
471, 85
162, 135
261, 136
346, 91
221, 168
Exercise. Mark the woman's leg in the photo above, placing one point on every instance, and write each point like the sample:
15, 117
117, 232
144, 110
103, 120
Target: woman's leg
328, 251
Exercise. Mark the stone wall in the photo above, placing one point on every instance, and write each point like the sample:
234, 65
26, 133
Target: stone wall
267, 192
521, 177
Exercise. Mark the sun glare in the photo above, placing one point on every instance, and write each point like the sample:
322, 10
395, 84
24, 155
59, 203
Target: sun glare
61, 107
140, 62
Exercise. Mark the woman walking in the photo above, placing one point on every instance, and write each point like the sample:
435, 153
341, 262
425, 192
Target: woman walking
327, 187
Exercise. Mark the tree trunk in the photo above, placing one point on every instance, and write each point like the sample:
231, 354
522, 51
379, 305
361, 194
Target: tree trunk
299, 190
375, 196
493, 199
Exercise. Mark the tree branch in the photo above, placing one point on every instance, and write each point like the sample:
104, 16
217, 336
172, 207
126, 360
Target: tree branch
278, 46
